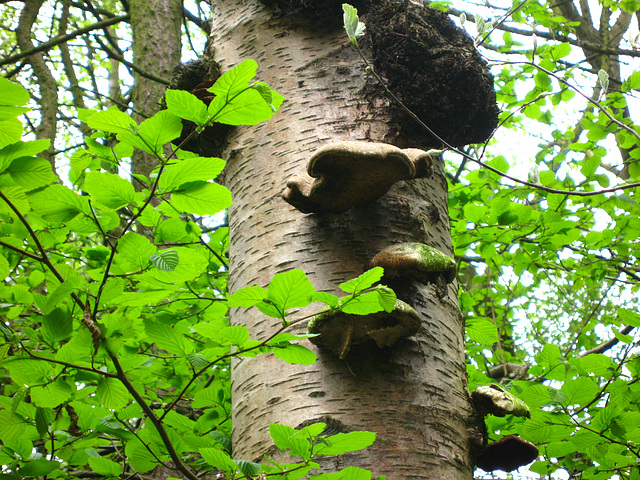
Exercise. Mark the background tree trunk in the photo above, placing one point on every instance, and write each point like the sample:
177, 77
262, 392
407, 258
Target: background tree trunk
47, 85
156, 49
414, 395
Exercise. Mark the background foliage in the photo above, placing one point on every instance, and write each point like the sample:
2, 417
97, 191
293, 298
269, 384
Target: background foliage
114, 294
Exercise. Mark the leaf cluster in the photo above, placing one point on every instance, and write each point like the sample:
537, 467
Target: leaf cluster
115, 338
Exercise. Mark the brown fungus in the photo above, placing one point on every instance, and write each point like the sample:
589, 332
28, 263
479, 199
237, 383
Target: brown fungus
338, 331
422, 262
495, 400
507, 454
349, 174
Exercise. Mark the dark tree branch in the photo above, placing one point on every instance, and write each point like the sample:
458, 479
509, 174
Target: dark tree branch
46, 129
586, 44
603, 347
43, 47
130, 65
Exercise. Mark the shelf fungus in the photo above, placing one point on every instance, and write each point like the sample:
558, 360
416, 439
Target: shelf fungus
349, 174
494, 400
338, 331
507, 454
417, 260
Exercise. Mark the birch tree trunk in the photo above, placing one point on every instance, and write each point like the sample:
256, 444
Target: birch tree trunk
414, 395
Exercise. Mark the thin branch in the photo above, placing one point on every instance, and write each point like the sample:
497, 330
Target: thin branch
43, 47
32, 256
69, 365
557, 37
603, 347
495, 170
153, 418
129, 64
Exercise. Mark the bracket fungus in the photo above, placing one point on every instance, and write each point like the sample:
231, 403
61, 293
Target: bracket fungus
338, 331
494, 400
422, 262
507, 454
349, 174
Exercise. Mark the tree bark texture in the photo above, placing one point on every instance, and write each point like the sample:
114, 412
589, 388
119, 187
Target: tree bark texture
48, 86
414, 395
156, 28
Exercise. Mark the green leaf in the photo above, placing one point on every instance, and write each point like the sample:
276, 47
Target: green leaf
52, 394
349, 473
245, 108
112, 120
296, 354
192, 264
166, 260
109, 189
136, 250
206, 397
139, 457
4, 267
190, 170
352, 24
366, 303
326, 298
219, 459
290, 290
560, 51
31, 172
12, 427
236, 335
154, 133
364, 281
597, 364
629, 317
482, 331
111, 394
201, 198
12, 93
167, 338
386, 297
27, 372
10, 131
57, 325
549, 357
43, 418
235, 80
10, 112
197, 361
346, 442
57, 203
633, 82
249, 469
247, 297
280, 434
18, 198
603, 80
186, 105
265, 91
38, 468
104, 466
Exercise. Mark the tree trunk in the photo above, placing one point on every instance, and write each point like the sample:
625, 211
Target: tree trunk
413, 395
156, 50
47, 84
